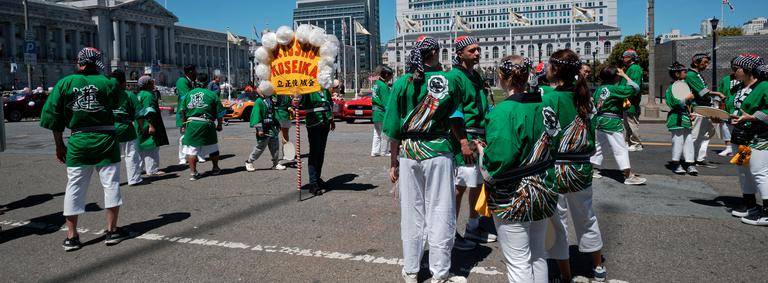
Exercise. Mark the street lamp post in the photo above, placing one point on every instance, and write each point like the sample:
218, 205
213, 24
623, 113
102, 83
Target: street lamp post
594, 63
539, 51
714, 22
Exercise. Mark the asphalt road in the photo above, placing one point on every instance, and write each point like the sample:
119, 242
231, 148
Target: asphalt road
250, 226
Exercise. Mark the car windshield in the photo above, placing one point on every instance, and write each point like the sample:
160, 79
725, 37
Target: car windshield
247, 96
18, 96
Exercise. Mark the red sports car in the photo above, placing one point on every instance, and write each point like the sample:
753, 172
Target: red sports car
361, 108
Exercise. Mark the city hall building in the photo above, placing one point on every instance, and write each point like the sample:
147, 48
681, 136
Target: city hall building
549, 31
133, 35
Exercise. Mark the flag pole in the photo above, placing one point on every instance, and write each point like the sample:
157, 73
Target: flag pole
573, 23
344, 53
354, 39
229, 77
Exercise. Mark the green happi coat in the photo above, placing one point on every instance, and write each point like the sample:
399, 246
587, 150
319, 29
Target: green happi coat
282, 103
725, 86
379, 100
127, 111
634, 72
699, 88
755, 103
473, 105
573, 145
151, 110
609, 103
679, 116
318, 108
263, 118
84, 104
520, 132
418, 115
183, 86
201, 108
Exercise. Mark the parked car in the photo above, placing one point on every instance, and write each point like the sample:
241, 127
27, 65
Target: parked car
360, 108
337, 109
23, 105
240, 108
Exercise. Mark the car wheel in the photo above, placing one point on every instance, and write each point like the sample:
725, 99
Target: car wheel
247, 114
14, 116
350, 121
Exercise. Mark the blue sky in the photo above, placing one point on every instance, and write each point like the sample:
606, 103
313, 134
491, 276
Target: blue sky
241, 15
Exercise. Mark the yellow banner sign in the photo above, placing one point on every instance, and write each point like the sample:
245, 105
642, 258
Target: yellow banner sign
294, 69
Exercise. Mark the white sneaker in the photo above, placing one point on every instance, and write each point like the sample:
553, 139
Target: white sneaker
375, 155
596, 174
249, 167
634, 180
200, 160
727, 151
409, 278
479, 235
450, 279
279, 167
679, 170
182, 162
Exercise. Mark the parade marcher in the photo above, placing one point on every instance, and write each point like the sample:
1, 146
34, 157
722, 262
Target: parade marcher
632, 114
679, 124
585, 71
319, 123
745, 66
183, 85
703, 129
754, 111
473, 99
727, 83
266, 126
609, 104
417, 118
203, 116
572, 173
127, 111
283, 116
380, 145
520, 132
83, 102
152, 135
213, 86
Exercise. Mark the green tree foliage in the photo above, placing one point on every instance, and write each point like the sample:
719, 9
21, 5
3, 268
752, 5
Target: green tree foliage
636, 42
730, 31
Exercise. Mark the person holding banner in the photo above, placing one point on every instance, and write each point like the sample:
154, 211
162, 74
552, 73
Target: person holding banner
128, 110
632, 114
319, 122
703, 128
474, 107
380, 146
83, 102
609, 102
749, 85
572, 173
152, 135
754, 111
520, 132
417, 119
203, 116
679, 122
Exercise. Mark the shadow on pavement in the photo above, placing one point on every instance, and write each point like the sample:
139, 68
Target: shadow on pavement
139, 228
581, 264
722, 201
344, 183
614, 174
43, 225
29, 201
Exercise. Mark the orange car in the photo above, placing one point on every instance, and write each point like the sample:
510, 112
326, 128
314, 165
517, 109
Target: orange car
239, 108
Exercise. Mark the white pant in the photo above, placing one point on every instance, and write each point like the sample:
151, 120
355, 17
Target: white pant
725, 131
203, 150
469, 176
703, 131
78, 179
261, 145
618, 145
380, 144
758, 166
427, 213
522, 244
182, 156
584, 223
129, 152
150, 160
682, 145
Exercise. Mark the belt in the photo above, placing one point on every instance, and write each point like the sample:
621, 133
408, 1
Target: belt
475, 131
423, 136
200, 119
94, 129
609, 115
317, 109
520, 172
573, 157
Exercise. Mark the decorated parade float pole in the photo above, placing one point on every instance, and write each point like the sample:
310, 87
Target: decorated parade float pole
296, 63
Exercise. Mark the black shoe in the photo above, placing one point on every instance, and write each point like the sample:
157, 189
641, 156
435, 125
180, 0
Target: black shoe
117, 236
743, 211
72, 244
315, 189
324, 185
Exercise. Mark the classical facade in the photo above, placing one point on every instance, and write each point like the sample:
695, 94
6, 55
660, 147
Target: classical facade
549, 31
137, 36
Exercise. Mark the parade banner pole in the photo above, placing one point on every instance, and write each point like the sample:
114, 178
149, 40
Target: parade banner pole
229, 77
298, 153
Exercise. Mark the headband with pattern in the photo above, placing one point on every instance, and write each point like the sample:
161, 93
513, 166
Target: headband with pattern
415, 60
507, 66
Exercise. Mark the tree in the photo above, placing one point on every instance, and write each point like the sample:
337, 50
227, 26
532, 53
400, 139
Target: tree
730, 31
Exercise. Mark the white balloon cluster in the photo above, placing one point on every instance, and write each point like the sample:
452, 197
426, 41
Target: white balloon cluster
328, 44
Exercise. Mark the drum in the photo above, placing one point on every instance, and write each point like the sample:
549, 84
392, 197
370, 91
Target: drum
711, 112
680, 90
289, 151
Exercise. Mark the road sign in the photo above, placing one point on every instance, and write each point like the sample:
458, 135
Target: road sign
29, 36
30, 52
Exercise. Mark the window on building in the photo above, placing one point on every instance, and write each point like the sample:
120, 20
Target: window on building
496, 52
445, 54
588, 48
607, 47
550, 49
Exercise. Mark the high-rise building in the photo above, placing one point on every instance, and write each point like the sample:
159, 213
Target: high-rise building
488, 21
705, 27
755, 26
338, 17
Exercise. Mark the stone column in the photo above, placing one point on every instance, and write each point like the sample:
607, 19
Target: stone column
115, 42
62, 44
76, 44
172, 43
13, 40
152, 44
167, 45
124, 51
138, 42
